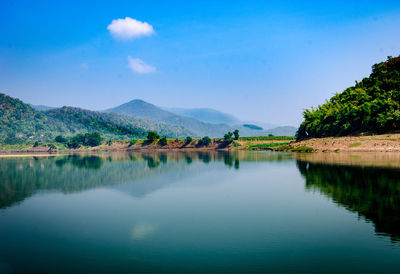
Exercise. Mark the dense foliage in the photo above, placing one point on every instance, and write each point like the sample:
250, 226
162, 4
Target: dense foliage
205, 141
188, 140
372, 105
236, 134
20, 123
60, 139
228, 138
87, 139
163, 141
152, 136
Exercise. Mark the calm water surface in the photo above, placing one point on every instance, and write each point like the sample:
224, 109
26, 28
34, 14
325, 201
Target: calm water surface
197, 212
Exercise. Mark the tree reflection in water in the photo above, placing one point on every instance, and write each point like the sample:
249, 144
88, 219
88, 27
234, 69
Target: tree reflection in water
372, 192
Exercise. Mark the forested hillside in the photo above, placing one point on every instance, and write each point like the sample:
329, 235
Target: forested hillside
371, 106
19, 122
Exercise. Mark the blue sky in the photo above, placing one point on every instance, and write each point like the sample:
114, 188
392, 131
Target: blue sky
259, 60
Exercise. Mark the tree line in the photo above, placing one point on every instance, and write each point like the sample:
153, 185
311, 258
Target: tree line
370, 106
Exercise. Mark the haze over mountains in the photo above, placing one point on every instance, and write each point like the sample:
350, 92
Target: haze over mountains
201, 121
20, 122
206, 115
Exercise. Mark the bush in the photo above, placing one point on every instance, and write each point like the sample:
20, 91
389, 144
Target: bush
236, 144
92, 139
228, 138
132, 142
188, 140
60, 139
36, 144
109, 142
236, 134
163, 141
87, 139
152, 136
295, 149
75, 142
205, 141
52, 146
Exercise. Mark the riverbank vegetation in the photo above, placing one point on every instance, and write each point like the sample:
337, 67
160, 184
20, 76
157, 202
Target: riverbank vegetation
94, 142
370, 106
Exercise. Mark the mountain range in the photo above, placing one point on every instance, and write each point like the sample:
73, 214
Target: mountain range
201, 121
21, 122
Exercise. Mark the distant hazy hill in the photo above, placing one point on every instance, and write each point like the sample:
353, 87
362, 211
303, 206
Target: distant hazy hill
251, 126
206, 115
114, 123
41, 107
21, 122
140, 108
146, 110
283, 131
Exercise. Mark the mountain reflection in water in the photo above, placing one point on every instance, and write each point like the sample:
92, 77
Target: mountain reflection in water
372, 192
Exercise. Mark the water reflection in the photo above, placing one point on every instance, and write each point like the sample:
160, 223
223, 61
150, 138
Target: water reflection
87, 162
372, 192
22, 177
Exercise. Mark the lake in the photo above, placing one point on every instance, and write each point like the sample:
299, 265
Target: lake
199, 212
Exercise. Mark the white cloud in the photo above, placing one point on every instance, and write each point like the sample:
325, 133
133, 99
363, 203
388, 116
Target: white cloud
138, 66
84, 66
129, 28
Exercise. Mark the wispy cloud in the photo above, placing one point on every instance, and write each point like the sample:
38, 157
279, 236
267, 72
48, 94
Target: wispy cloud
84, 66
129, 28
138, 66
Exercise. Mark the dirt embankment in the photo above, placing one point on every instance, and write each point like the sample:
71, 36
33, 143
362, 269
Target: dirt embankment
373, 143
116, 146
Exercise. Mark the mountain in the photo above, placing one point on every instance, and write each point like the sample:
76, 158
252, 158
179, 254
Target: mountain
372, 106
41, 107
112, 123
146, 110
282, 131
140, 108
20, 122
206, 115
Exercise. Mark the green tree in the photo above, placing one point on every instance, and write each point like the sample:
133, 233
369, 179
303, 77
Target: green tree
205, 141
60, 139
228, 138
87, 139
152, 136
188, 140
163, 141
52, 146
92, 139
372, 106
132, 142
236, 134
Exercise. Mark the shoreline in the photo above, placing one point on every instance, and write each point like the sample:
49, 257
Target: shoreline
367, 143
372, 143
